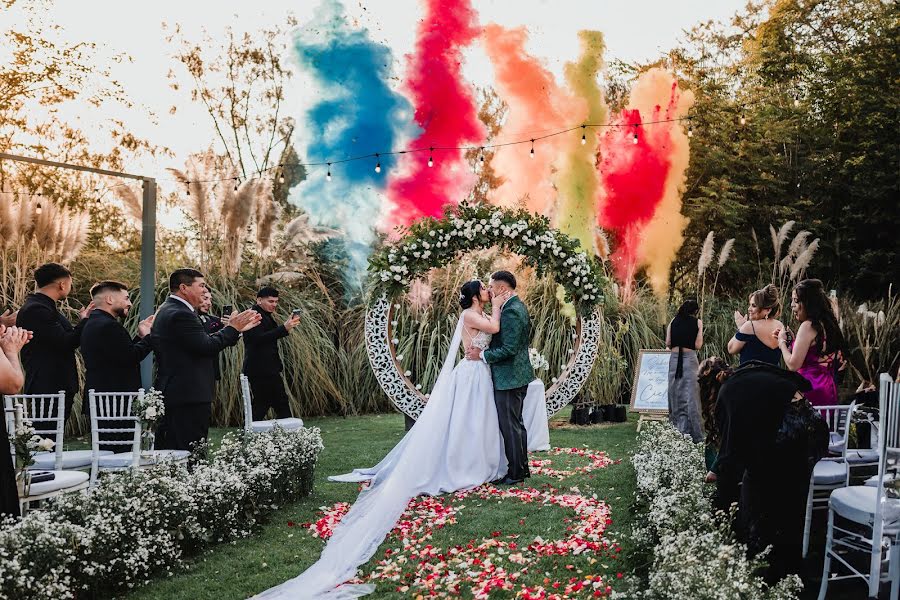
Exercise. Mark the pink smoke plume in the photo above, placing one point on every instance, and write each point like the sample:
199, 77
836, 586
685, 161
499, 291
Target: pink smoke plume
445, 110
536, 103
640, 198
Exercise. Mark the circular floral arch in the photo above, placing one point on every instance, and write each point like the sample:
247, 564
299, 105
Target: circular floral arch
432, 243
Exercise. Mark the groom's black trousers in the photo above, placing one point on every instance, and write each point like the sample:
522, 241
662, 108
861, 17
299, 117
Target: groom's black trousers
512, 427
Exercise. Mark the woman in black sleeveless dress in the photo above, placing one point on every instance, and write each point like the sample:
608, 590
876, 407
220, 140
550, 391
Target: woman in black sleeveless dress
684, 336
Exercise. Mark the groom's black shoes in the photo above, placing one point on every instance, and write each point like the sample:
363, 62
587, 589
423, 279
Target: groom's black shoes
507, 481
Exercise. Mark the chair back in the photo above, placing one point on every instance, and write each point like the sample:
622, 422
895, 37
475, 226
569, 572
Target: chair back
835, 415
248, 402
888, 440
47, 415
851, 408
108, 410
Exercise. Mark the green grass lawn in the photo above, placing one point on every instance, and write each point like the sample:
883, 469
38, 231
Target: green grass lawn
277, 551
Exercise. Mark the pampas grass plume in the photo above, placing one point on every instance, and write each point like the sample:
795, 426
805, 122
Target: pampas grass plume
706, 254
804, 259
725, 252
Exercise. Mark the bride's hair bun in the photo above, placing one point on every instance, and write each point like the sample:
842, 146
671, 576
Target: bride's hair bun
468, 293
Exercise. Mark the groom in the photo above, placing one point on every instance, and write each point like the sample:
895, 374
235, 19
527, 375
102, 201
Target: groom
512, 372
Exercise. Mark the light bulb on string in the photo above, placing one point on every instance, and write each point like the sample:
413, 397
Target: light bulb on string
583, 136
187, 186
690, 129
236, 181
743, 118
635, 139
531, 154
38, 209
431, 156
796, 101
482, 154
280, 173
377, 163
328, 174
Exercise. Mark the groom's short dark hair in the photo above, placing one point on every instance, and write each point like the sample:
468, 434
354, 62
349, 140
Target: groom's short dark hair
506, 277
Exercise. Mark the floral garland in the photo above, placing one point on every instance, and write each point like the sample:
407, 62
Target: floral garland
499, 562
430, 243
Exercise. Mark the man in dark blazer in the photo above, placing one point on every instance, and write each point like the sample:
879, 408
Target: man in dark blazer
112, 358
262, 362
49, 359
185, 356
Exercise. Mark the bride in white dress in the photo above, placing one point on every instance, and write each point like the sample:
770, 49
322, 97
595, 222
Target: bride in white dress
454, 445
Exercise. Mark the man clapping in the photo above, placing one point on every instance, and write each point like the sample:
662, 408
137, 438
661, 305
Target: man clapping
186, 355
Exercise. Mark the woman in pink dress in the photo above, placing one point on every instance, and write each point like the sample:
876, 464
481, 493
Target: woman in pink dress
819, 338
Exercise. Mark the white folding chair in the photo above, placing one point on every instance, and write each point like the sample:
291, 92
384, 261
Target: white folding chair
268, 424
869, 509
48, 417
830, 473
109, 410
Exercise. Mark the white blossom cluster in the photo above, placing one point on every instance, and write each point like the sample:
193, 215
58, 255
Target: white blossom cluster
428, 248
538, 360
694, 553
149, 408
136, 525
26, 443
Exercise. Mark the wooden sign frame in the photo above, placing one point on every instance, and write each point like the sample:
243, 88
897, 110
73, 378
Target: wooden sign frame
646, 414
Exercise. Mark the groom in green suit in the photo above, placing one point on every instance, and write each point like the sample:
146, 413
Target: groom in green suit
511, 371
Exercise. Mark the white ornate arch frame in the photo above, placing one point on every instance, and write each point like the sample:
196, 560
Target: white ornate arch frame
411, 401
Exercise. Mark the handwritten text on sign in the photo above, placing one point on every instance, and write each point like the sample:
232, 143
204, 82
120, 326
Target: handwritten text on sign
651, 382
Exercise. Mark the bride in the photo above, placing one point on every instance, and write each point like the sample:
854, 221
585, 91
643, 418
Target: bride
455, 444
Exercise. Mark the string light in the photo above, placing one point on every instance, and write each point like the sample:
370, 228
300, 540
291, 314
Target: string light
532, 149
187, 186
690, 129
635, 139
743, 117
796, 100
431, 156
377, 164
280, 173
38, 209
583, 136
236, 181
328, 174
482, 154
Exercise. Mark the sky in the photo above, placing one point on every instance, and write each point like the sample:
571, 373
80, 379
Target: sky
635, 30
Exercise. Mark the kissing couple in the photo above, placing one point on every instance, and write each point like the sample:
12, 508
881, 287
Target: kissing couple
469, 433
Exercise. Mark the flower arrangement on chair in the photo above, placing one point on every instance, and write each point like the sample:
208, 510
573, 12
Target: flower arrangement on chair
149, 409
26, 444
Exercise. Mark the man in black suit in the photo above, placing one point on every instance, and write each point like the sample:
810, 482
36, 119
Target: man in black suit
262, 363
112, 358
185, 356
49, 359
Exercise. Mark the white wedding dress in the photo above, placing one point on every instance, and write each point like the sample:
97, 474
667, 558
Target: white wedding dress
455, 444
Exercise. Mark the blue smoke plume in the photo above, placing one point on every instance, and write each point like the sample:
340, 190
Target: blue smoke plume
355, 113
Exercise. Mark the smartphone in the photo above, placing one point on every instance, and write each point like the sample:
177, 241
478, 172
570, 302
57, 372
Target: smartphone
296, 312
227, 310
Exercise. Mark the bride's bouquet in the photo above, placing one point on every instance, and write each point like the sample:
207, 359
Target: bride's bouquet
538, 361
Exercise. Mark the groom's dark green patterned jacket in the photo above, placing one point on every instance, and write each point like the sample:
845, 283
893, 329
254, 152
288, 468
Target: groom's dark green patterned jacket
508, 352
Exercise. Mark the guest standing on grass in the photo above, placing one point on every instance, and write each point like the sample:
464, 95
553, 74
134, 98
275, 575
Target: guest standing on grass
262, 362
753, 339
684, 336
185, 356
819, 339
12, 340
49, 359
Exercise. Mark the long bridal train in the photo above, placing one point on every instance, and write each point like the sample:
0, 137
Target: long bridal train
454, 445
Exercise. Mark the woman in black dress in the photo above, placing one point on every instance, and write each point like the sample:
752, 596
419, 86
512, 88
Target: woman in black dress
770, 440
684, 336
11, 379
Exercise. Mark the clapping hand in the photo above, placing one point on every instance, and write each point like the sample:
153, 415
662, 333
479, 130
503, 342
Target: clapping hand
13, 338
8, 318
86, 311
145, 326
245, 320
739, 319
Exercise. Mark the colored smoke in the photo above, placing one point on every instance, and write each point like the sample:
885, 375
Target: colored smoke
578, 179
535, 103
356, 114
445, 110
640, 199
